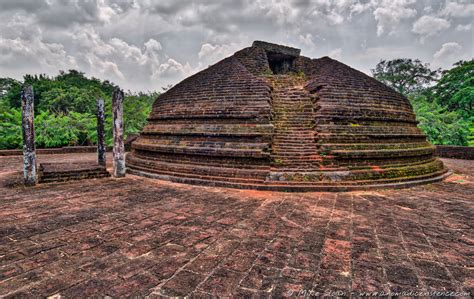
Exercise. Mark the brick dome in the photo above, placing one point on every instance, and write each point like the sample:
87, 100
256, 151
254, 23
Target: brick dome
267, 118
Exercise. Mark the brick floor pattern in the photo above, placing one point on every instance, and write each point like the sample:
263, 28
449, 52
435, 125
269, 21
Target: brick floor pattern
142, 237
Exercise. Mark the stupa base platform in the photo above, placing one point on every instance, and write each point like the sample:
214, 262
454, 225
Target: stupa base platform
295, 186
267, 118
66, 171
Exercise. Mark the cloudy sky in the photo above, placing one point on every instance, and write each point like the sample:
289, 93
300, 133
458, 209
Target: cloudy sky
145, 45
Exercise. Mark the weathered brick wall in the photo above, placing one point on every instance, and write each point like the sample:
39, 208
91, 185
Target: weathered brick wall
215, 123
254, 60
361, 123
318, 123
47, 151
55, 151
455, 152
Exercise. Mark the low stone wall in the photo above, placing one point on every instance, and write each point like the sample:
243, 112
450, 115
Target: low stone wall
455, 152
49, 151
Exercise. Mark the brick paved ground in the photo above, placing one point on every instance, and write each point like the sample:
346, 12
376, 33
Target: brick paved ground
137, 236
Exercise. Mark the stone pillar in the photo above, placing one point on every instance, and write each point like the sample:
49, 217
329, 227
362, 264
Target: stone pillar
118, 149
28, 128
100, 133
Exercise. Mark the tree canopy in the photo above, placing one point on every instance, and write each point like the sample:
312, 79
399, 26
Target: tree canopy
442, 100
455, 89
65, 108
405, 75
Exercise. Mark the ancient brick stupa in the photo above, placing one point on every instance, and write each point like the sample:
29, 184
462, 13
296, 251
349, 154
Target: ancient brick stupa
267, 118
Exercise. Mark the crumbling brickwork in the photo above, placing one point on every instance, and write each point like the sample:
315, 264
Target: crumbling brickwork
268, 118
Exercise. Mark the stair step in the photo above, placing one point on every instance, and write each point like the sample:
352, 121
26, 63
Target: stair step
199, 170
69, 178
194, 176
294, 143
65, 171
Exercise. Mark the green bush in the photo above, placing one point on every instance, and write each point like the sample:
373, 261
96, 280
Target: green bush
54, 130
10, 129
470, 138
440, 125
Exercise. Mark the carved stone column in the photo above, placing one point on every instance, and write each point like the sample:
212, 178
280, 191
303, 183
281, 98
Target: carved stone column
101, 149
118, 149
28, 128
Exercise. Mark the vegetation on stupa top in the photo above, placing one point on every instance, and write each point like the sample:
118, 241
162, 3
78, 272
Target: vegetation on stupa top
443, 100
65, 110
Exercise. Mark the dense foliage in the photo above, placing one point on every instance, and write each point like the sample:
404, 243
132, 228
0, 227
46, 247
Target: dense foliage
443, 106
455, 90
442, 126
405, 75
65, 108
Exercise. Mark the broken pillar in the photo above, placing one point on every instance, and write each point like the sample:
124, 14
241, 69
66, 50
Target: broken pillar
118, 148
100, 133
28, 128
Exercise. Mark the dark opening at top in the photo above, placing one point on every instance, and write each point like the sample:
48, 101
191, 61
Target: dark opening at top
280, 64
280, 58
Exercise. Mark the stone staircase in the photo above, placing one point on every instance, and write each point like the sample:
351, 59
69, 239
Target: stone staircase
60, 172
294, 151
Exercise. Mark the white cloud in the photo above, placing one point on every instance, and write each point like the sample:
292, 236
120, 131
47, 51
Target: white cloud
429, 26
28, 6
210, 54
357, 8
466, 27
153, 46
455, 9
306, 39
447, 54
172, 68
124, 63
428, 10
367, 59
22, 47
21, 25
128, 52
144, 45
336, 53
34, 53
389, 13
335, 18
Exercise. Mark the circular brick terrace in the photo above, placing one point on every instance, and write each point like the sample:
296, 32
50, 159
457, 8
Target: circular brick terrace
139, 236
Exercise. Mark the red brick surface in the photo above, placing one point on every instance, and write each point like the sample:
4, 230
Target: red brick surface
265, 120
137, 236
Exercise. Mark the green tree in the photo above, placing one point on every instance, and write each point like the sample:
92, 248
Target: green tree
71, 86
59, 129
65, 107
7, 84
66, 99
455, 89
137, 108
407, 76
79, 80
439, 124
444, 110
54, 130
10, 129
